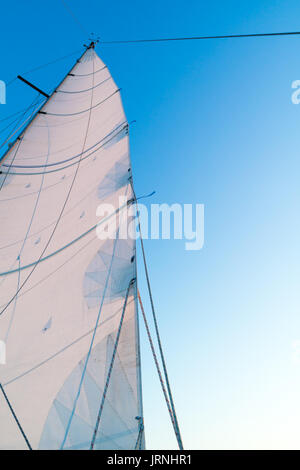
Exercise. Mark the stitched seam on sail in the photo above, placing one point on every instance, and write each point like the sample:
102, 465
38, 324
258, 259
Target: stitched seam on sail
83, 91
71, 158
34, 263
85, 110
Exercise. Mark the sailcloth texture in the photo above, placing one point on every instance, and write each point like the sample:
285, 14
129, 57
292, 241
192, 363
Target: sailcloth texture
68, 309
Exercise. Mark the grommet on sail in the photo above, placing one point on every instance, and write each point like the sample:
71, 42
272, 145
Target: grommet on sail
68, 299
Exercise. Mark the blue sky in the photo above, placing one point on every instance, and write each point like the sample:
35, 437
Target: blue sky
215, 125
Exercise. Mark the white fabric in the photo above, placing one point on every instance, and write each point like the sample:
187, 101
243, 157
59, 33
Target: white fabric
68, 161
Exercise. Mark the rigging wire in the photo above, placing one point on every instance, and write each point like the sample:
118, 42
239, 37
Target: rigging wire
44, 65
110, 367
15, 417
15, 131
72, 14
178, 435
9, 125
156, 40
17, 112
197, 38
138, 444
17, 121
157, 363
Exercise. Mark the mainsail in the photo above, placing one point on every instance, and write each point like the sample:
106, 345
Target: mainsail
68, 309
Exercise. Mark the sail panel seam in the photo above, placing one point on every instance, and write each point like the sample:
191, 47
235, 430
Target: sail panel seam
83, 91
71, 158
85, 110
65, 246
87, 74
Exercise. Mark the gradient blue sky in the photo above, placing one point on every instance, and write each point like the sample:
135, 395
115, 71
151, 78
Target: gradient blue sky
215, 125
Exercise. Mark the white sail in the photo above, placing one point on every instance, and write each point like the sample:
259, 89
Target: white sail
62, 289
